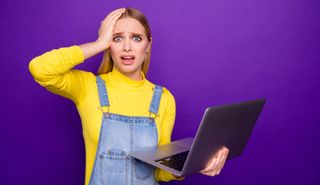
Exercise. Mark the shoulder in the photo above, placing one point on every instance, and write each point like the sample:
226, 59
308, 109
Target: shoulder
168, 94
83, 77
167, 98
105, 77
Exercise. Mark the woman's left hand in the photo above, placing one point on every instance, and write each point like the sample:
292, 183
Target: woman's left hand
216, 163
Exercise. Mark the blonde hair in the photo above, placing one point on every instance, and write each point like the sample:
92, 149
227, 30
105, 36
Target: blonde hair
107, 62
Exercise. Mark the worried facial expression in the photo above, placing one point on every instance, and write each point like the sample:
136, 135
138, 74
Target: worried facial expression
129, 47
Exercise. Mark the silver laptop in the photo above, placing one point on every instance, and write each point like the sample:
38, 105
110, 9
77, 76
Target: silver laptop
226, 125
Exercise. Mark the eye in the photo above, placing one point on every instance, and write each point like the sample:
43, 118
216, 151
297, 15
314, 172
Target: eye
117, 38
137, 38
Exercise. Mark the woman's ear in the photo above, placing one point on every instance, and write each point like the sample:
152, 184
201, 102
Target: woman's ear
149, 45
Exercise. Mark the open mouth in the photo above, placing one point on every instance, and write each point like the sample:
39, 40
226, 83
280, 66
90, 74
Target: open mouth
127, 59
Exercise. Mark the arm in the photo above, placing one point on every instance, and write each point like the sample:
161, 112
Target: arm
166, 127
92, 48
105, 35
213, 167
53, 69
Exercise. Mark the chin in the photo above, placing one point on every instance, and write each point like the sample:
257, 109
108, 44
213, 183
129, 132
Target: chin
128, 69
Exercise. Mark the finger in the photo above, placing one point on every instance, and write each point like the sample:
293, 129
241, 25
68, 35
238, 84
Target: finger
115, 12
218, 162
218, 173
120, 10
212, 166
110, 21
225, 152
214, 162
207, 173
116, 16
112, 17
223, 161
224, 158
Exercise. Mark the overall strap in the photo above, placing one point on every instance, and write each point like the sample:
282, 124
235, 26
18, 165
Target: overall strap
154, 106
102, 90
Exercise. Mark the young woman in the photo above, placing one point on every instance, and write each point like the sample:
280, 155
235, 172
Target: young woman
121, 111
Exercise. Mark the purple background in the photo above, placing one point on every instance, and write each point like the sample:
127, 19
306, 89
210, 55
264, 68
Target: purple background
204, 52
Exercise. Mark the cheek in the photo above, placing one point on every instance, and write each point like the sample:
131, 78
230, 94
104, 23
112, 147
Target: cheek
141, 54
141, 50
114, 50
116, 46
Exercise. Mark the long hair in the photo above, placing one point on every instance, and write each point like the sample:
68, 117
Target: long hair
107, 62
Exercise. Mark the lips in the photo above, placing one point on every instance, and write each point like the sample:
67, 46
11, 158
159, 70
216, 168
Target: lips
127, 59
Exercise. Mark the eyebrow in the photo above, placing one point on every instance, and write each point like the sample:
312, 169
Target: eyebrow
120, 33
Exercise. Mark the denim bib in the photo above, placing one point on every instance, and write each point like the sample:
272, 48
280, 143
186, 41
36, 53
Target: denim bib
119, 136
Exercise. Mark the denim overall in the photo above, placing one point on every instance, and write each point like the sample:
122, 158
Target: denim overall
119, 136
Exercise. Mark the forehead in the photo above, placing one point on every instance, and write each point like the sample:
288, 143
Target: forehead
128, 25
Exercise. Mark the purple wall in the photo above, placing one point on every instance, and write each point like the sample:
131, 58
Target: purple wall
204, 52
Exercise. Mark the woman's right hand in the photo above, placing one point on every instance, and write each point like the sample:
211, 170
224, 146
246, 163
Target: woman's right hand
105, 35
106, 28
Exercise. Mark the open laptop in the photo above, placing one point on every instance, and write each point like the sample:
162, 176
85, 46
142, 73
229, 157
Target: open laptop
226, 125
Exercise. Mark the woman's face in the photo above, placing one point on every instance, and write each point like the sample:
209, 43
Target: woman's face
129, 47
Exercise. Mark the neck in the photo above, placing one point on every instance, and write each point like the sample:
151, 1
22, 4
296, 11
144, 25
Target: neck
136, 75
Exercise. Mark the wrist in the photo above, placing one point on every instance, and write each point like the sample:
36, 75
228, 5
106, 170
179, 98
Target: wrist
92, 48
177, 177
102, 45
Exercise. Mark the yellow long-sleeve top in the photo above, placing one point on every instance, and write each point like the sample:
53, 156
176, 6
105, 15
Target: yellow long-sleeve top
53, 70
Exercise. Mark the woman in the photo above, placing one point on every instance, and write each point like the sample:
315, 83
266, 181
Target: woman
121, 111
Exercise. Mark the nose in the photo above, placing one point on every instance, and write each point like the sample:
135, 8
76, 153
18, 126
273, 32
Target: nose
127, 45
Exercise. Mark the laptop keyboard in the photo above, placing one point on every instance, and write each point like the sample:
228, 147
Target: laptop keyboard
176, 161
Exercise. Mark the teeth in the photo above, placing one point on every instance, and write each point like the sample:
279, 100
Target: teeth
127, 57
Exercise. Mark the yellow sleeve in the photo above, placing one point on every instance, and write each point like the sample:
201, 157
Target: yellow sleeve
53, 70
167, 126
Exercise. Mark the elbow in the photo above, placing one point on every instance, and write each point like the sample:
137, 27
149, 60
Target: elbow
35, 69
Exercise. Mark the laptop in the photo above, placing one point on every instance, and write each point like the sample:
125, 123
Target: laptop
227, 125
